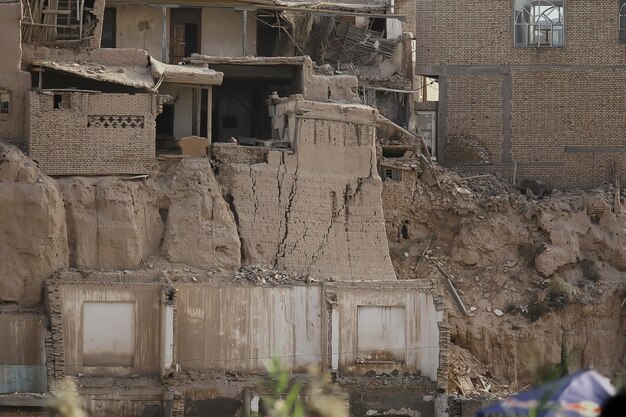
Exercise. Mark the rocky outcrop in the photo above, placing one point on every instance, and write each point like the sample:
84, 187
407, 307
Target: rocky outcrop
201, 230
33, 237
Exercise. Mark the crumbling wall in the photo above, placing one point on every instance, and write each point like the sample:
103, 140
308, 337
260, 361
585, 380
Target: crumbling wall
144, 341
34, 237
14, 84
317, 210
201, 230
22, 365
92, 134
112, 223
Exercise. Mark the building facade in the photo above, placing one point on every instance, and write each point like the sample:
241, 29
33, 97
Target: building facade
533, 89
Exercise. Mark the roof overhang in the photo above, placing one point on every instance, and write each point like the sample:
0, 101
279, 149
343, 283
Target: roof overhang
144, 77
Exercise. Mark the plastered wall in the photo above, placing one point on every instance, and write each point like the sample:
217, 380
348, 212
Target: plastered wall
243, 328
146, 327
221, 30
22, 357
98, 134
139, 27
421, 326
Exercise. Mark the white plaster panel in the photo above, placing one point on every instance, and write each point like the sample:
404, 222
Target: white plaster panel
109, 334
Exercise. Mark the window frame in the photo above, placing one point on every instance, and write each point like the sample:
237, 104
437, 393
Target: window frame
9, 98
621, 8
562, 24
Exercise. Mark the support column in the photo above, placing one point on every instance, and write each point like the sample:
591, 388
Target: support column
196, 96
209, 111
165, 47
244, 34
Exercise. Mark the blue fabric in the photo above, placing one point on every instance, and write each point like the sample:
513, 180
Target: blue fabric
577, 395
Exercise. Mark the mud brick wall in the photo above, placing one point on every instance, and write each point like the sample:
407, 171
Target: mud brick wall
554, 113
98, 134
465, 407
55, 349
230, 153
317, 210
21, 412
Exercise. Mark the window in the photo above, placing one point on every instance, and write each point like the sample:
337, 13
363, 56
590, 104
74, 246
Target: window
539, 23
109, 28
5, 101
380, 334
61, 101
622, 20
390, 174
108, 334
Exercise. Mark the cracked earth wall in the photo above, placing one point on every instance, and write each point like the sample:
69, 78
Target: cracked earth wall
317, 210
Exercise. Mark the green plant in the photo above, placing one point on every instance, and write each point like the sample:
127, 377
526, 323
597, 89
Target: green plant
66, 401
288, 401
560, 293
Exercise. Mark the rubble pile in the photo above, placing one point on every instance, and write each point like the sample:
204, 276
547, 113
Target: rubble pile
260, 276
469, 377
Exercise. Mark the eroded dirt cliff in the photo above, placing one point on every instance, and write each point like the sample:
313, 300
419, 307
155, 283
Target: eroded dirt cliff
541, 279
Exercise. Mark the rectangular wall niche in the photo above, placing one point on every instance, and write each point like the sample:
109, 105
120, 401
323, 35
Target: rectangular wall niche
108, 334
381, 334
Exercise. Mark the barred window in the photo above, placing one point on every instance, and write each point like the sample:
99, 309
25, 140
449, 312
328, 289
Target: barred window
622, 20
5, 101
539, 23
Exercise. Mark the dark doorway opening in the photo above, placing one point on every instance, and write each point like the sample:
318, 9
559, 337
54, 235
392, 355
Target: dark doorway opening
240, 103
184, 33
267, 32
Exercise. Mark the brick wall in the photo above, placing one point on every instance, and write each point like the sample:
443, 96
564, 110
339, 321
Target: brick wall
407, 8
21, 412
97, 134
474, 119
555, 112
230, 153
480, 32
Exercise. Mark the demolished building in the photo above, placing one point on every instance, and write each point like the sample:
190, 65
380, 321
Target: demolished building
198, 214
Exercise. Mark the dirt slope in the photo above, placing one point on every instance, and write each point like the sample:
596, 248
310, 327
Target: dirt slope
553, 268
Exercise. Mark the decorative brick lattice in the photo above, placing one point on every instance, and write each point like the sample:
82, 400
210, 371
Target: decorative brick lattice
116, 122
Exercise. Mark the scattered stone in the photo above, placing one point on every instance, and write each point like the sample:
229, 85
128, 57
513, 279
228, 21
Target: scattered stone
472, 309
498, 312
259, 275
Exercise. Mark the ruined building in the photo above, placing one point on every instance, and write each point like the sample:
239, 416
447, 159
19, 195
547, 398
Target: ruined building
531, 89
193, 204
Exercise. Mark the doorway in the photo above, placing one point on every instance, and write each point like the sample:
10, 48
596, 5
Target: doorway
184, 33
